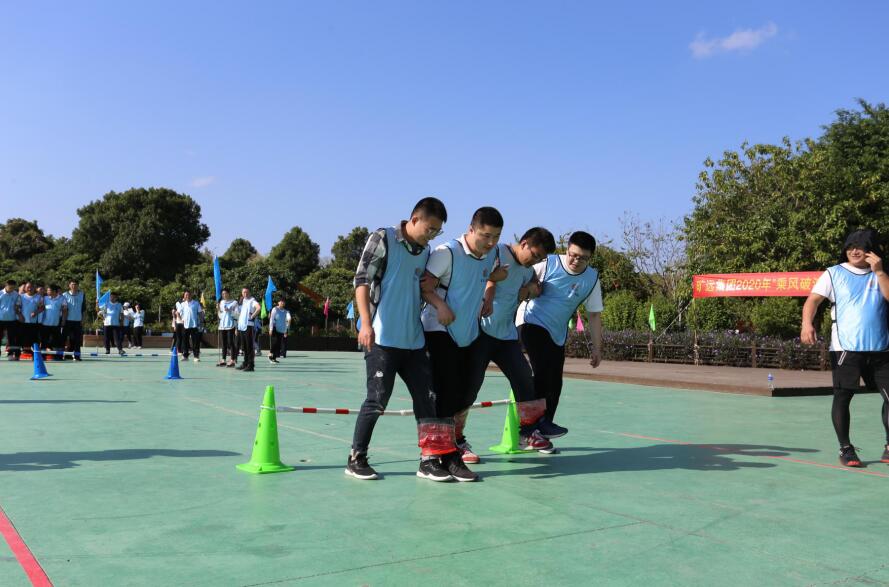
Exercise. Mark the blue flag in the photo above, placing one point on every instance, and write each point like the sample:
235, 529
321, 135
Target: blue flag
269, 288
98, 285
350, 311
217, 278
105, 299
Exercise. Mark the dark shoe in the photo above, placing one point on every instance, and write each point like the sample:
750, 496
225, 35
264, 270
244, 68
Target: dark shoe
550, 430
885, 458
434, 470
457, 468
220, 364
248, 370
240, 367
357, 467
230, 365
848, 457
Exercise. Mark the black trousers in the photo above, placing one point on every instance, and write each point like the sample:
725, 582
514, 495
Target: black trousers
508, 356
848, 369
138, 331
50, 337
28, 335
191, 342
246, 340
179, 336
72, 335
547, 362
11, 329
382, 365
278, 341
229, 347
451, 366
113, 335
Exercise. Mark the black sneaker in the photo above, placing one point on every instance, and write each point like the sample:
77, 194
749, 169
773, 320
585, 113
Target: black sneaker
240, 367
550, 430
457, 468
433, 469
357, 467
885, 457
848, 457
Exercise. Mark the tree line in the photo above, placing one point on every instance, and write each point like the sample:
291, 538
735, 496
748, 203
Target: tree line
763, 207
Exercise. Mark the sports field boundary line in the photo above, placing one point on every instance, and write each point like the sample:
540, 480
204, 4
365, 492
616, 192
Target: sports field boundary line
23, 554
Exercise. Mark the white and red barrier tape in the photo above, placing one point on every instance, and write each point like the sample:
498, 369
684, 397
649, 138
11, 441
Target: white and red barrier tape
347, 411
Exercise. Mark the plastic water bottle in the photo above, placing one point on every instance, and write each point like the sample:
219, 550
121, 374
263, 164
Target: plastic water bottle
771, 382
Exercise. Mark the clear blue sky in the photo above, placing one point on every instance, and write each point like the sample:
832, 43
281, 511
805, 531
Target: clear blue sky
330, 115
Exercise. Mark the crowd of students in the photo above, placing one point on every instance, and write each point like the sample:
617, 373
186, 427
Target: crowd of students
42, 315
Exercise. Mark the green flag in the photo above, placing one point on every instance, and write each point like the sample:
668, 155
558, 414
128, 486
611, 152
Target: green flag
651, 321
263, 312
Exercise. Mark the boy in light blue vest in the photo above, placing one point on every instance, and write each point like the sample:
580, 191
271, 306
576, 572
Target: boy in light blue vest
10, 318
498, 340
566, 282
72, 332
54, 312
387, 294
858, 287
454, 288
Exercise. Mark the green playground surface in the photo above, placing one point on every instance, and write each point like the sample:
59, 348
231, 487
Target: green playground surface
113, 476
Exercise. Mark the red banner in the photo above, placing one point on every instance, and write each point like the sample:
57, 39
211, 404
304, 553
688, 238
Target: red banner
798, 283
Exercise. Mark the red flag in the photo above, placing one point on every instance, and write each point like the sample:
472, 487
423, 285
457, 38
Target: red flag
326, 307
579, 322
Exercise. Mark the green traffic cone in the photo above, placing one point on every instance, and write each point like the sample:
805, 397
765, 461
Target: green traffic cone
266, 457
509, 444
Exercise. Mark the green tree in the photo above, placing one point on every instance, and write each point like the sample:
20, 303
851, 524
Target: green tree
239, 252
335, 283
21, 239
620, 311
348, 248
777, 317
141, 233
296, 254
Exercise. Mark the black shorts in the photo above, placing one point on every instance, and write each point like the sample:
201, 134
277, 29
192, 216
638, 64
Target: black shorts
849, 367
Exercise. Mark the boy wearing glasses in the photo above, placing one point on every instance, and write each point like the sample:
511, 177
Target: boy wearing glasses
566, 282
387, 294
498, 340
858, 287
454, 288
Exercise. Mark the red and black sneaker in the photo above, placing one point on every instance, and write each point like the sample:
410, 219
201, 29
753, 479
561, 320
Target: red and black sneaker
848, 457
885, 458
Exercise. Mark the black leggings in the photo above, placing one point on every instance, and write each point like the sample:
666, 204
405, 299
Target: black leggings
451, 369
547, 361
848, 368
229, 348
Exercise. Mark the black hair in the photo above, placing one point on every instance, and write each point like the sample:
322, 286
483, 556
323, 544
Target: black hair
866, 239
431, 207
224, 289
70, 281
540, 237
584, 240
487, 216
54, 287
11, 282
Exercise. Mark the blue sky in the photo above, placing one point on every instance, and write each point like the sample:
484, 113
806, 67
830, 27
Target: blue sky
329, 115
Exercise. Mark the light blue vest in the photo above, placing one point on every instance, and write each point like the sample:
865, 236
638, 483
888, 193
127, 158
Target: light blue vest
52, 310
280, 320
465, 291
248, 306
861, 311
8, 303
30, 304
396, 320
111, 312
75, 306
189, 312
501, 323
226, 314
138, 318
559, 299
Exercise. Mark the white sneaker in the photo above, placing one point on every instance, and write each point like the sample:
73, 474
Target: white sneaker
197, 360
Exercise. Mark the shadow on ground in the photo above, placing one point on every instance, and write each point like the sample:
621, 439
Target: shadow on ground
583, 461
43, 461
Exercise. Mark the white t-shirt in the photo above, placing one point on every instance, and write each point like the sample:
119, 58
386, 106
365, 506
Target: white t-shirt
593, 302
439, 265
824, 288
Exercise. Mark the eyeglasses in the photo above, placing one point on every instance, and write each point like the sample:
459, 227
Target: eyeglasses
580, 258
433, 232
